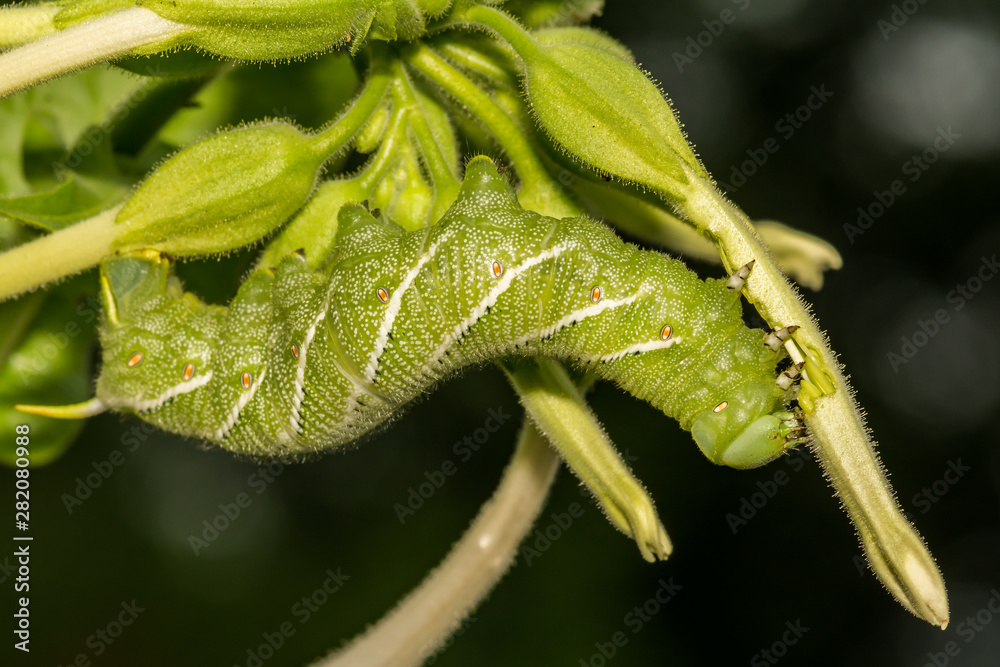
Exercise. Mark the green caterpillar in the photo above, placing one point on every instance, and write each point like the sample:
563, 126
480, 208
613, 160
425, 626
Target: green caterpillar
304, 361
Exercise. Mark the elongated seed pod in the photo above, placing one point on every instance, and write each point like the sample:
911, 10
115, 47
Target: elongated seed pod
304, 361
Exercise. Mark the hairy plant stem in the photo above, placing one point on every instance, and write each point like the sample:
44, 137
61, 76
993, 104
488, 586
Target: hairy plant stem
63, 253
342, 129
96, 41
558, 408
839, 436
426, 617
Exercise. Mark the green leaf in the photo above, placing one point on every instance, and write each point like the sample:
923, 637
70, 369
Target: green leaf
75, 199
66, 107
181, 63
13, 121
45, 342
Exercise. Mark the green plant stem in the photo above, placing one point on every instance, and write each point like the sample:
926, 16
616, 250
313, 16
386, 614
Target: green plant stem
26, 23
444, 179
539, 192
503, 25
376, 167
334, 137
560, 411
96, 41
62, 253
840, 439
424, 619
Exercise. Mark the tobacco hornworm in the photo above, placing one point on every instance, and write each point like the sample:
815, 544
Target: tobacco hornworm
306, 360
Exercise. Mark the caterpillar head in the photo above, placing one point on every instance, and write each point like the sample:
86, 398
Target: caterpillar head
149, 349
722, 438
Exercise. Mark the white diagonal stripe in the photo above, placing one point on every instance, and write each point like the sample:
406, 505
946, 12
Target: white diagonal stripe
241, 403
503, 284
395, 303
298, 395
151, 404
575, 316
639, 348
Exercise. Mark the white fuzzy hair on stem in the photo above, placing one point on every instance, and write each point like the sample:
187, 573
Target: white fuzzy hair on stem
100, 40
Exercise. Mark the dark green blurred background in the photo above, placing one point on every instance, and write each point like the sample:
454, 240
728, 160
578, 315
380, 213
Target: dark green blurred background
796, 561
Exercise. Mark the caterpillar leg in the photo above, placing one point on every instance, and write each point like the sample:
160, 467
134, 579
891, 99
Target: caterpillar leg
777, 338
739, 279
789, 375
762, 441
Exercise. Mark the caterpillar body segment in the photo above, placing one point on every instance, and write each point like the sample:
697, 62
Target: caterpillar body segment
304, 361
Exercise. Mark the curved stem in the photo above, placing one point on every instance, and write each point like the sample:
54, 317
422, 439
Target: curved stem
26, 23
415, 629
558, 408
99, 40
502, 25
539, 192
379, 164
56, 255
360, 109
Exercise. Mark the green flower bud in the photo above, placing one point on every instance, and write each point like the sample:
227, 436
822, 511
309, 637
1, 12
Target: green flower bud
222, 193
598, 105
275, 29
545, 13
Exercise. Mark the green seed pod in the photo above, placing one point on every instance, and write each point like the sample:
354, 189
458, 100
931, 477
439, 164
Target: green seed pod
597, 105
274, 29
545, 13
222, 193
